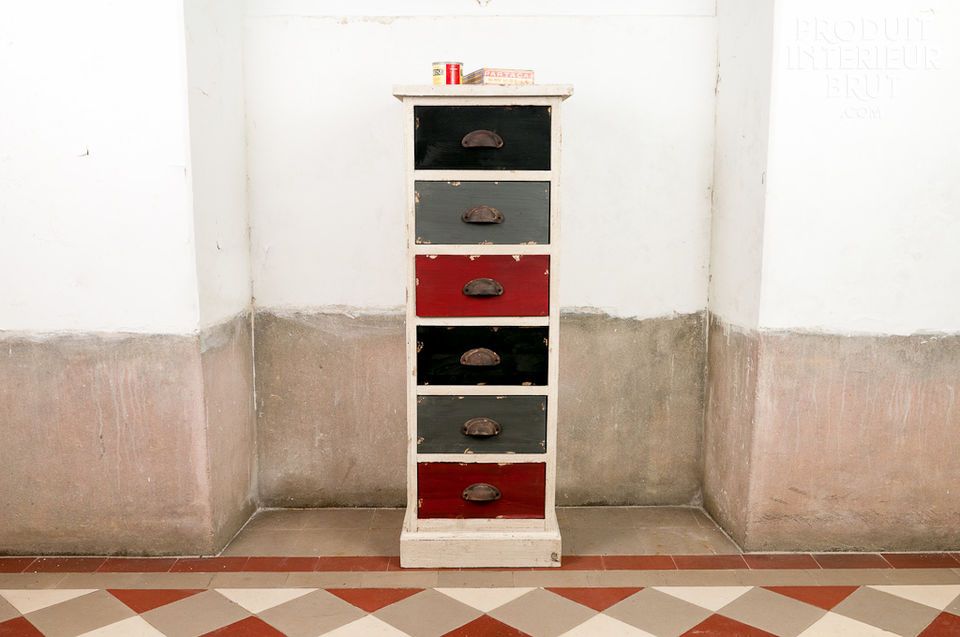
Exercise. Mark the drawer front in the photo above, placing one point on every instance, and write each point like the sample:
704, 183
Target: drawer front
481, 424
453, 212
492, 285
521, 355
441, 485
440, 133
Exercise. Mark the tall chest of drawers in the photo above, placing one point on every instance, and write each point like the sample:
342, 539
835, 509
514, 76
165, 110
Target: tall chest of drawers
482, 324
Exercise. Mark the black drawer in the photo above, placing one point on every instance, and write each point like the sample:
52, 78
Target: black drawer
455, 355
440, 133
481, 424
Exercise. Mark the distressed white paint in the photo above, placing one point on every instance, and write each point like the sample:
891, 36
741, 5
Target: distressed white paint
486, 8
214, 38
745, 40
499, 541
324, 150
94, 196
863, 198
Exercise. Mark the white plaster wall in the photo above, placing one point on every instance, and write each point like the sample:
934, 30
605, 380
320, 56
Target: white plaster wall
214, 39
863, 198
744, 45
325, 159
95, 224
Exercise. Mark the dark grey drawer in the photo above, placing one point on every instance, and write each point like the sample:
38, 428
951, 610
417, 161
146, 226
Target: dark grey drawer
460, 212
522, 422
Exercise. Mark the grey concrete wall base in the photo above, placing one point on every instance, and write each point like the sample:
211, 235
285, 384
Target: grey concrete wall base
631, 410
108, 442
830, 442
331, 414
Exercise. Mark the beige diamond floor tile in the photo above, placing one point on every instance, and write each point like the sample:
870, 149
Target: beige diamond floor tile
772, 612
257, 600
605, 626
833, 625
937, 596
710, 597
7, 610
542, 614
889, 612
484, 599
28, 600
130, 627
311, 615
658, 613
368, 626
80, 615
195, 615
427, 614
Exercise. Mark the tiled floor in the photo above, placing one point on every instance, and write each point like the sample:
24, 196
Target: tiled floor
664, 572
747, 611
585, 531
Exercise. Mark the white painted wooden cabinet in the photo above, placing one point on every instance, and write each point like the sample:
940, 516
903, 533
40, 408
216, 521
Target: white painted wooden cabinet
482, 328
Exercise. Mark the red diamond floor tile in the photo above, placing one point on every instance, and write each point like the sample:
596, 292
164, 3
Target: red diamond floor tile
794, 560
486, 626
851, 560
137, 565
710, 562
15, 564
360, 563
599, 599
18, 627
209, 564
65, 565
281, 564
720, 626
825, 597
944, 625
249, 627
638, 563
373, 599
921, 560
140, 600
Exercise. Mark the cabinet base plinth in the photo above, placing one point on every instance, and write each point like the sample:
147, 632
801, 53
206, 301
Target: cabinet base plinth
477, 549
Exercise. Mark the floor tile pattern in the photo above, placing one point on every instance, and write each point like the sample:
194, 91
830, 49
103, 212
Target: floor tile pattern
927, 610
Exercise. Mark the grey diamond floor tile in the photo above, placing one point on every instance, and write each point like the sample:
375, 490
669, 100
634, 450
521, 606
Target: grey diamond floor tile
79, 615
889, 612
195, 615
542, 614
7, 611
427, 614
658, 613
311, 615
772, 612
954, 607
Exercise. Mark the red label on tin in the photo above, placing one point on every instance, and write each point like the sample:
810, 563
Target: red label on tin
453, 73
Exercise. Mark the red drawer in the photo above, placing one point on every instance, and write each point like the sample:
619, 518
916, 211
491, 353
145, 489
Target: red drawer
492, 285
441, 488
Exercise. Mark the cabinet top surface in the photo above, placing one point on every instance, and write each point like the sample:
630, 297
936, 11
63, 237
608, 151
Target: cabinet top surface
482, 90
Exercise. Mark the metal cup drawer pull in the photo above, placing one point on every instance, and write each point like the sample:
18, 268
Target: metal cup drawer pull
481, 492
481, 428
480, 357
482, 214
482, 139
483, 287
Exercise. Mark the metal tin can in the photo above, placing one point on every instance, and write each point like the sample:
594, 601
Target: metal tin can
447, 72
